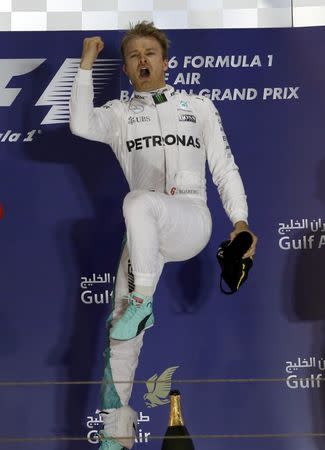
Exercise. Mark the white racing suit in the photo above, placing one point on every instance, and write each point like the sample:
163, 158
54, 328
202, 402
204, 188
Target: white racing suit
162, 141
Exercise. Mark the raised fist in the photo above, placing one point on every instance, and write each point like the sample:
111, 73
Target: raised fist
92, 46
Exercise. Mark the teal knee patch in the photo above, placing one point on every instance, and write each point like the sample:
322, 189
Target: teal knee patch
109, 395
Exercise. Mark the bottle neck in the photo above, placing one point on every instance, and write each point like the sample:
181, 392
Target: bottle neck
175, 416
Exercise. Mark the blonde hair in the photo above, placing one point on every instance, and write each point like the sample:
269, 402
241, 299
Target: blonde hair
145, 29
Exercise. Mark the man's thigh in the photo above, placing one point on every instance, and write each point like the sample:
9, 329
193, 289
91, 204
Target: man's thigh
184, 228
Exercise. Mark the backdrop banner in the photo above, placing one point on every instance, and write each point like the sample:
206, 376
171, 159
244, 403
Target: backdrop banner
249, 366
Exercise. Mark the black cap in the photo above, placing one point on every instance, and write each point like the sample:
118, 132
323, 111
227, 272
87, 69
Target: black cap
174, 392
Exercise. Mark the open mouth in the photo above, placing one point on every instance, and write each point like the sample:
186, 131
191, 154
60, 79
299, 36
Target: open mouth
144, 72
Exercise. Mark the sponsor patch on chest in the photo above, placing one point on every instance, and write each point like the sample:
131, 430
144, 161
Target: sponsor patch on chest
138, 119
183, 104
187, 118
136, 107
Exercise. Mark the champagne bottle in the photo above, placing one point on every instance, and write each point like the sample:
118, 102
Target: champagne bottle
176, 428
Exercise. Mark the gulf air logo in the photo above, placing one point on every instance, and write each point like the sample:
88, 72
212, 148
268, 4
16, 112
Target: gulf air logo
159, 388
57, 93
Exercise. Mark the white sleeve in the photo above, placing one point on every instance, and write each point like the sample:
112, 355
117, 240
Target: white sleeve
96, 124
222, 166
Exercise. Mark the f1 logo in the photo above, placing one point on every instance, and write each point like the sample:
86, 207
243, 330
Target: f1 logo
57, 93
10, 68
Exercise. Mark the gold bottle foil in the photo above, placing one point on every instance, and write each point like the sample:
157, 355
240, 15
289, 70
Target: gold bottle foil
175, 415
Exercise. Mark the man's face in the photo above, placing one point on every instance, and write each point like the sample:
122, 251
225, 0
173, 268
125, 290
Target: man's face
144, 64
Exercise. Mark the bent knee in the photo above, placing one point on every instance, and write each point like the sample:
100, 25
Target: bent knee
136, 202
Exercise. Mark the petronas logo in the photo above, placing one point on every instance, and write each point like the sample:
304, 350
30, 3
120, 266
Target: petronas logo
159, 388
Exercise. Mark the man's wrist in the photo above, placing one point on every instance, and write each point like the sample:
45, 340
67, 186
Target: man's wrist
86, 65
241, 225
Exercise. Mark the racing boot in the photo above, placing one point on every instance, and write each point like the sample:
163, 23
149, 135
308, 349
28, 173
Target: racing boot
107, 443
137, 317
120, 428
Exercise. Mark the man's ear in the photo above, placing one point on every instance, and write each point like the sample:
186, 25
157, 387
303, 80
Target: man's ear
124, 70
165, 64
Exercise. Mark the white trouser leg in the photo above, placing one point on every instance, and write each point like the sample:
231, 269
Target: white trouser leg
162, 226
122, 363
124, 355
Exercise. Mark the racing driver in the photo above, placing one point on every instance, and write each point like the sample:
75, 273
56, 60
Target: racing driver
162, 140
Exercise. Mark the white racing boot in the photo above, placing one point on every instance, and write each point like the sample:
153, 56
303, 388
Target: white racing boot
120, 427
